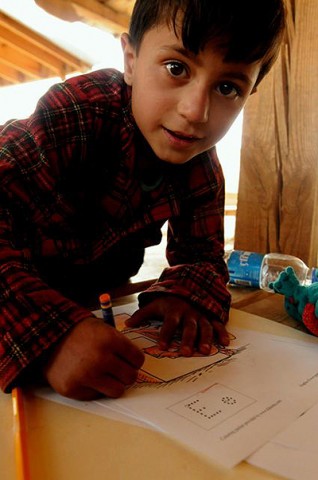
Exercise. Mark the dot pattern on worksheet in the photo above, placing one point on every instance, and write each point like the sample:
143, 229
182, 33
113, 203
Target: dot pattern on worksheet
195, 407
229, 400
212, 406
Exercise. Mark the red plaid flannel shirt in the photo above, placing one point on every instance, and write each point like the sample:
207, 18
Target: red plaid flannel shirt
72, 188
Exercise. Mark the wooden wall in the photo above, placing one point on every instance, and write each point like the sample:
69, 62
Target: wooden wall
278, 189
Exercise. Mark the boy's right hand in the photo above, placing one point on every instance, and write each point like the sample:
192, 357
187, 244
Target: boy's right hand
92, 360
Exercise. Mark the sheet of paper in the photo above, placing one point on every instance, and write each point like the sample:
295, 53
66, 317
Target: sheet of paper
102, 409
293, 452
225, 405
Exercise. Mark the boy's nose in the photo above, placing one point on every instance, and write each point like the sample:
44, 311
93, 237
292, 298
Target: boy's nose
194, 105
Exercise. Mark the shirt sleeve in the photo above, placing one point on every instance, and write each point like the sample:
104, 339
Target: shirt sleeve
33, 316
195, 246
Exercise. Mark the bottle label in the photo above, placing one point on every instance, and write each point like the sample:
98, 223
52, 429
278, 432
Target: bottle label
314, 275
244, 268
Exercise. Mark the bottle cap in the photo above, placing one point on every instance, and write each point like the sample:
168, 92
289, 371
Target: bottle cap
104, 298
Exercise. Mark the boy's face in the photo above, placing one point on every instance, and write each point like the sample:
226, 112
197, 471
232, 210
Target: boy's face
184, 103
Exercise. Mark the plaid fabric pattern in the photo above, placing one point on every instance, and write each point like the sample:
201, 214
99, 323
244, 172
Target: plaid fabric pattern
77, 180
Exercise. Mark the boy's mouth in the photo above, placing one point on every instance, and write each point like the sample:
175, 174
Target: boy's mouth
181, 136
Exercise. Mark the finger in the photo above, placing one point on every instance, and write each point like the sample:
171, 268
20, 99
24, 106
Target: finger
220, 333
128, 351
205, 336
110, 379
79, 390
142, 316
121, 371
189, 335
107, 386
83, 394
169, 327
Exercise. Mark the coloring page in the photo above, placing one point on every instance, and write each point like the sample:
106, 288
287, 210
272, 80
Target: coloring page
225, 405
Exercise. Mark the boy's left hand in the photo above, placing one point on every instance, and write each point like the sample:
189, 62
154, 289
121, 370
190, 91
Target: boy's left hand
198, 333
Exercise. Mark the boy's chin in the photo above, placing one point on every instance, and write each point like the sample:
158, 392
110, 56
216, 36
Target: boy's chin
174, 159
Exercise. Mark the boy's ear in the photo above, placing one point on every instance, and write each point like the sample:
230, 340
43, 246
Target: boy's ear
129, 58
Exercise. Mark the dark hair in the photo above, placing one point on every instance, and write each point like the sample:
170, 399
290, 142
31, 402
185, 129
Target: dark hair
247, 30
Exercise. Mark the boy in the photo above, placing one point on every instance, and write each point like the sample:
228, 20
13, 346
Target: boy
90, 178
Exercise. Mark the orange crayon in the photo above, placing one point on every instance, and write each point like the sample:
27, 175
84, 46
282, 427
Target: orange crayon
21, 451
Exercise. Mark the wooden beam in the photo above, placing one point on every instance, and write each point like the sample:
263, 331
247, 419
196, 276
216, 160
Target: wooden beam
36, 46
27, 66
30, 50
100, 13
12, 75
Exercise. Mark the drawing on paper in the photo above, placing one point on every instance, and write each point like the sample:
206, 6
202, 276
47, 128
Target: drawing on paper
160, 367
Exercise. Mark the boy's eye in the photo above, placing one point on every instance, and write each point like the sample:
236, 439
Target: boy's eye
176, 69
228, 90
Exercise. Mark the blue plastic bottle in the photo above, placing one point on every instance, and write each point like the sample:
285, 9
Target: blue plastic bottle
251, 269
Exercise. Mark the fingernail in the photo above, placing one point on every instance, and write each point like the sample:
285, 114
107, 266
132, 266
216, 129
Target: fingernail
186, 351
205, 349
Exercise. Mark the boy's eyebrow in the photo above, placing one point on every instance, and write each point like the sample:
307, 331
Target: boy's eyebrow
179, 49
240, 76
187, 53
